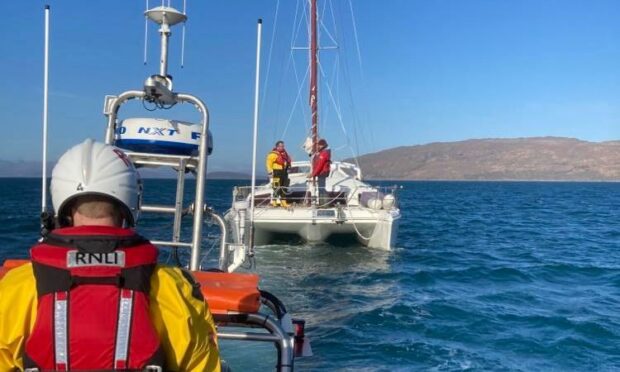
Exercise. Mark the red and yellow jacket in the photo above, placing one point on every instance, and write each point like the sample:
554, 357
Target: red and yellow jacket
183, 322
277, 160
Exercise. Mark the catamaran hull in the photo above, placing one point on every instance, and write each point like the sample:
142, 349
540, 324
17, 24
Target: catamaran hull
376, 229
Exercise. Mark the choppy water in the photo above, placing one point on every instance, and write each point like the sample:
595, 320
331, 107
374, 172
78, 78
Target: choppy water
486, 276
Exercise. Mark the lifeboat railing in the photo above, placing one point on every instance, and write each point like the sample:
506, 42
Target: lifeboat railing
158, 90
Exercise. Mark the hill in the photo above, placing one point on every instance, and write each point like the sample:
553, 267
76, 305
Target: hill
536, 158
33, 169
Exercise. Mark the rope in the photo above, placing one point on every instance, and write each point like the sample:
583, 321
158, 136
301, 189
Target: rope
359, 234
206, 254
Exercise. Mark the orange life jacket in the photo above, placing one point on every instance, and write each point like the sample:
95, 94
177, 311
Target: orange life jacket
282, 158
93, 302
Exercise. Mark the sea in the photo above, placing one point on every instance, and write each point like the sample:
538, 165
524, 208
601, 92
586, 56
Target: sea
485, 276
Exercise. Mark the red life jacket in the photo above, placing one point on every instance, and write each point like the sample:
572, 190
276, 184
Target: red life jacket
93, 302
283, 159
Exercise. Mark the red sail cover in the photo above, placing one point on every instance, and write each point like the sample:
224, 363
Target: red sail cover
93, 303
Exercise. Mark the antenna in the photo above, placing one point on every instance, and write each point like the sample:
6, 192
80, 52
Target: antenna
254, 145
165, 17
47, 218
159, 86
45, 110
183, 36
146, 31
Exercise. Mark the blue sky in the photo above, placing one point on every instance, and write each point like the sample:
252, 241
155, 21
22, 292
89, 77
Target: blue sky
430, 71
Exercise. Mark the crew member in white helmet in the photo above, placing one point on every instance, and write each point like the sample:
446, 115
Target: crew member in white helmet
94, 297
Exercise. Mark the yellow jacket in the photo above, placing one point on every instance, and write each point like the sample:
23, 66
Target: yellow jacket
183, 322
271, 162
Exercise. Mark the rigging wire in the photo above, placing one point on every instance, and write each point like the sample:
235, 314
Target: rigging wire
279, 100
295, 30
337, 78
354, 112
282, 75
357, 43
326, 107
273, 38
301, 84
366, 131
334, 86
329, 35
297, 99
333, 100
294, 24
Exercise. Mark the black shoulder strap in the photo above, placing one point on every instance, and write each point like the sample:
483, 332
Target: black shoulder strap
94, 243
51, 279
196, 292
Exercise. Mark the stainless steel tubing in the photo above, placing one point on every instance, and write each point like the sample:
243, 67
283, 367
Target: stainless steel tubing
200, 178
248, 336
157, 208
283, 344
223, 240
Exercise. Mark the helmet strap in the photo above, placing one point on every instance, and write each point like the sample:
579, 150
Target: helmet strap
47, 223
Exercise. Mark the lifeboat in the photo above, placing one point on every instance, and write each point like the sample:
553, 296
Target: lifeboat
234, 299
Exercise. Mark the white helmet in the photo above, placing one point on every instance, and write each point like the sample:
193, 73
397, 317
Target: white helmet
93, 168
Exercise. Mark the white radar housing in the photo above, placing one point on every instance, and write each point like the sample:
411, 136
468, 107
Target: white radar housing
160, 136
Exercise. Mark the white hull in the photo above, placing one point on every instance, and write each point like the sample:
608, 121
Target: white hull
374, 229
349, 218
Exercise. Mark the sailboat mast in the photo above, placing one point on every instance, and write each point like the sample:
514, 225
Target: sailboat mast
314, 56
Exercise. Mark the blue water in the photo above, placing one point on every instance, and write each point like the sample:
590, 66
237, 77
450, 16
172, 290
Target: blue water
486, 276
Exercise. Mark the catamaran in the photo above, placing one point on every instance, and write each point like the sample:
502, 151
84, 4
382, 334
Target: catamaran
353, 209
234, 299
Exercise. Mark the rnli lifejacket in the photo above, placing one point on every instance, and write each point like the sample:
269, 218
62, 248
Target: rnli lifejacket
93, 303
282, 158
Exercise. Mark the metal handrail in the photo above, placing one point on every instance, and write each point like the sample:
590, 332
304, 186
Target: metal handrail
158, 90
223, 260
343, 197
284, 342
113, 105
